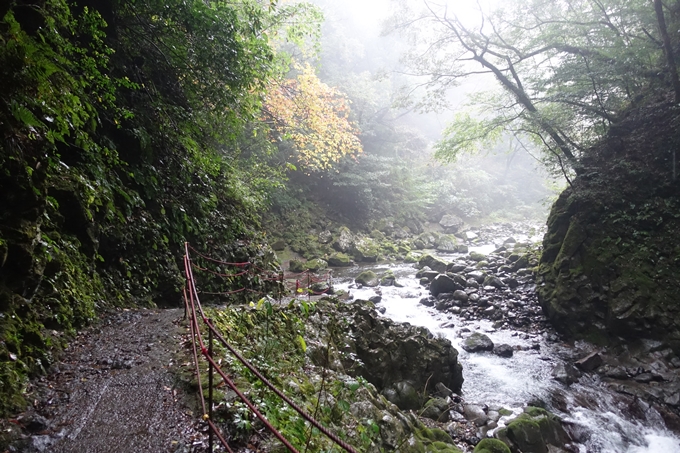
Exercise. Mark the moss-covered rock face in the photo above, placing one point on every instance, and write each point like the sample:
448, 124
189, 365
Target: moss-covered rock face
610, 265
534, 431
314, 373
339, 260
491, 446
367, 278
394, 356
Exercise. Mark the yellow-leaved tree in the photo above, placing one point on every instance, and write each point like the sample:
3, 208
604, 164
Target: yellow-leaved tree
313, 118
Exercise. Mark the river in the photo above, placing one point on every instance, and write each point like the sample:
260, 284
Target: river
594, 411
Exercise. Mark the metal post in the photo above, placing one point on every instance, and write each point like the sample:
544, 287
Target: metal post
309, 286
210, 388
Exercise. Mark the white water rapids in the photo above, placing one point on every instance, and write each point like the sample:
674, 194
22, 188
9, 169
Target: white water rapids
593, 408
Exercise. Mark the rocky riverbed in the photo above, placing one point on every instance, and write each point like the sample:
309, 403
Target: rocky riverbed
621, 397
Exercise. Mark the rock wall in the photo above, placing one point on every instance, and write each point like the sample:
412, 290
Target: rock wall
611, 255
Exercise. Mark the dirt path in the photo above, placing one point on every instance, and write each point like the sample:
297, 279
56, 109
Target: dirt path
116, 390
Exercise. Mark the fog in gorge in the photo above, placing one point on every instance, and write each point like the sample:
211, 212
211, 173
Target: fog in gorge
363, 57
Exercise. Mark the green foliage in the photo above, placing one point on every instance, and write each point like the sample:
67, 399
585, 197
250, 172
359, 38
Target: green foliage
273, 339
564, 71
129, 129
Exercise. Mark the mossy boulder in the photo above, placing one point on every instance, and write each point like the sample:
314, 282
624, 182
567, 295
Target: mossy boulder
412, 257
609, 266
476, 256
534, 431
366, 250
436, 409
367, 278
339, 260
447, 244
433, 263
389, 353
344, 242
388, 279
491, 446
316, 265
296, 266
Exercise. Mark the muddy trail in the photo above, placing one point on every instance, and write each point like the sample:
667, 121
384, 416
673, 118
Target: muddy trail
116, 388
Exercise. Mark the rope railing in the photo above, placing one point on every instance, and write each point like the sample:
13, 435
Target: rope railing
194, 308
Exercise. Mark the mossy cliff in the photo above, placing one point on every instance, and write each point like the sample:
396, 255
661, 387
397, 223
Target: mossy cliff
611, 260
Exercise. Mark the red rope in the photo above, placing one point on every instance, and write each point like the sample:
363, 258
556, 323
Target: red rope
299, 410
218, 273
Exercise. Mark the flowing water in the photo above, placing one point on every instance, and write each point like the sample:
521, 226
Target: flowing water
599, 418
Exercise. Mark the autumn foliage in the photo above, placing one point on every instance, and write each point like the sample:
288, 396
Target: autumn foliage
313, 118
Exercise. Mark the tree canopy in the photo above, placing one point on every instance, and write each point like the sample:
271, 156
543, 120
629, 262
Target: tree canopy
566, 69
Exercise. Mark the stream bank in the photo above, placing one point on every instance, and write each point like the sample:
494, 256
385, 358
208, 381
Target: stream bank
620, 398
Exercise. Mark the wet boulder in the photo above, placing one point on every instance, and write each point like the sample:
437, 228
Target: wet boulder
389, 352
590, 362
566, 373
489, 445
442, 283
339, 260
477, 342
475, 414
433, 263
366, 250
436, 409
503, 350
367, 278
534, 431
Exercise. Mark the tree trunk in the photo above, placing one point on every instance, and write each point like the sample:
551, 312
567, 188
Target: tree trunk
668, 49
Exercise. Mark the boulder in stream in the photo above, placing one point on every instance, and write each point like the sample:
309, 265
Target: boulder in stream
534, 431
442, 283
388, 353
367, 278
477, 342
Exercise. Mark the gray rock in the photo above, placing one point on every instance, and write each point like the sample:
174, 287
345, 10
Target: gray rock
455, 267
566, 373
427, 301
367, 278
590, 362
503, 350
443, 284
345, 241
494, 281
442, 390
477, 342
433, 263
325, 237
451, 223
375, 299
475, 414
460, 295
478, 276
436, 409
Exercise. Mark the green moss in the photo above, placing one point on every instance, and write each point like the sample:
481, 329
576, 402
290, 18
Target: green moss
491, 446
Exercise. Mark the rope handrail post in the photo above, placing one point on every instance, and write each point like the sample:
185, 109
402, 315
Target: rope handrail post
210, 389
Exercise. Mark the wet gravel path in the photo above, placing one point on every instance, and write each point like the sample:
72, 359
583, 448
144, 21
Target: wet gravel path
116, 389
